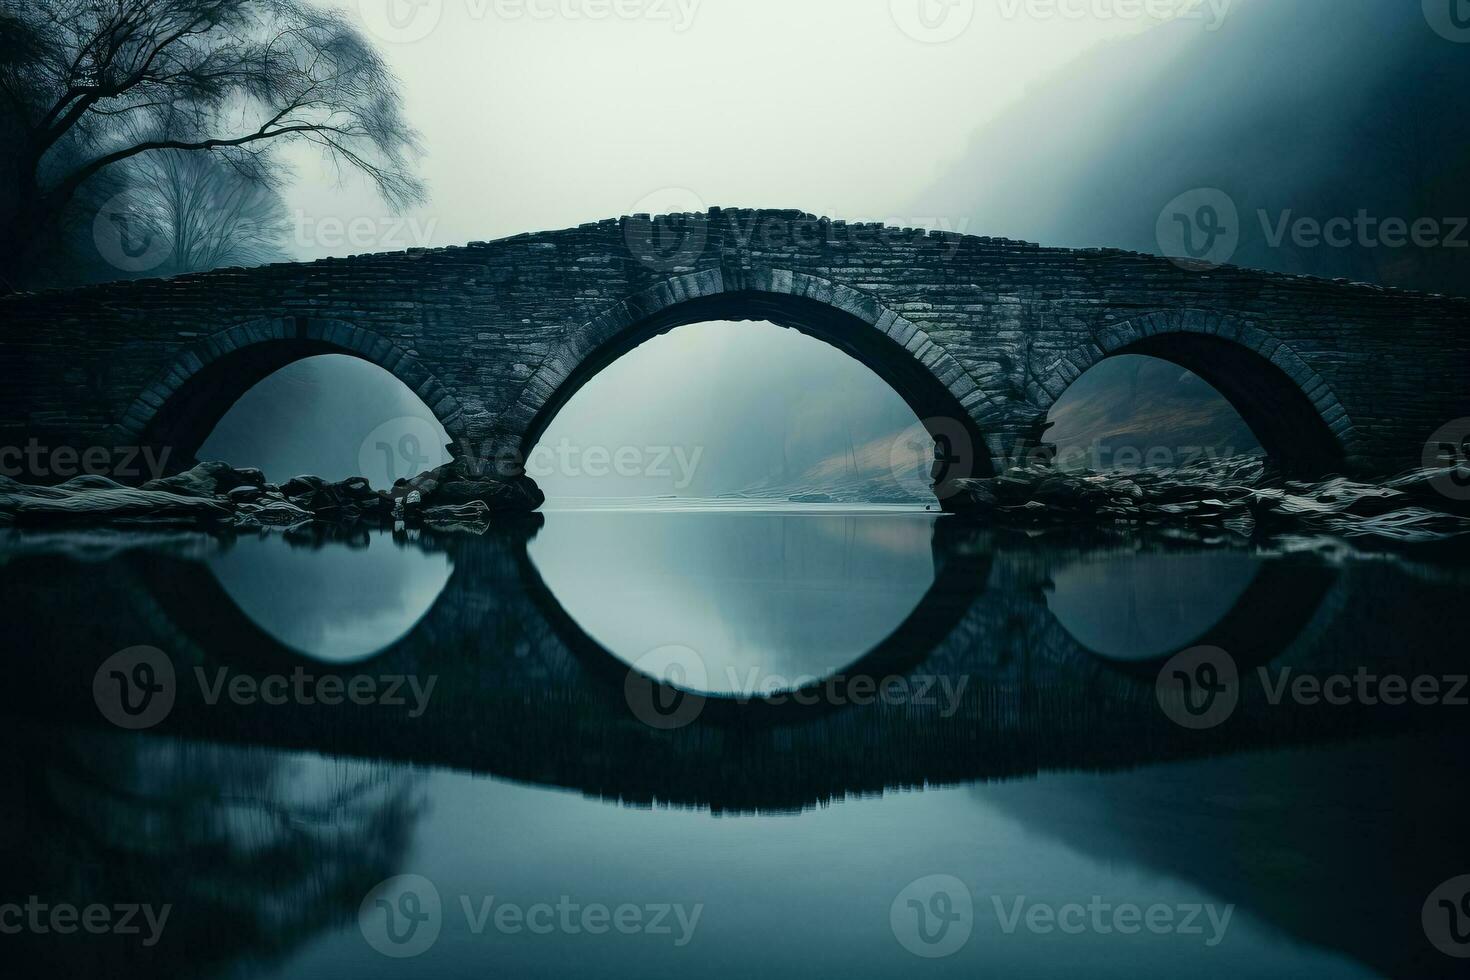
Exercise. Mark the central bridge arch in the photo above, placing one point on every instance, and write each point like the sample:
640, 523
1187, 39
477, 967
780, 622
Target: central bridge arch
941, 393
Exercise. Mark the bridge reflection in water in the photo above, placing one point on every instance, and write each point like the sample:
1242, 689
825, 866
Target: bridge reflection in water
1333, 838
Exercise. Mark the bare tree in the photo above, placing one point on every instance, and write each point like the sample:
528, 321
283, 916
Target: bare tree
80, 79
206, 213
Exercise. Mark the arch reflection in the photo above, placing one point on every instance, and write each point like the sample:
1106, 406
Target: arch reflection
332, 602
766, 602
1139, 606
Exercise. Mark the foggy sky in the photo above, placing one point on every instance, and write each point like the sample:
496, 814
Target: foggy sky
822, 105
831, 107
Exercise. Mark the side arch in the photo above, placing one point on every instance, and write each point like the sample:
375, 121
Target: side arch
1290, 408
933, 383
181, 404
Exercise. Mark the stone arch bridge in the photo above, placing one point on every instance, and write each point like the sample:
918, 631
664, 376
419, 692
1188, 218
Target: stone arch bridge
979, 335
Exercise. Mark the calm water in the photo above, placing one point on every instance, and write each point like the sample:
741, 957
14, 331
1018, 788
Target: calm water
725, 740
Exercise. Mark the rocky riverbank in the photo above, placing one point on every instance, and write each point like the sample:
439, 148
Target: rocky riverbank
215, 494
1240, 494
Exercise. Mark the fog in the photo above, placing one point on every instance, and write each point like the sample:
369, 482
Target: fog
1074, 131
1316, 109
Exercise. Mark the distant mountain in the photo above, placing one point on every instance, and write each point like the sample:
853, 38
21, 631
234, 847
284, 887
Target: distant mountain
1131, 411
1296, 109
893, 468
1316, 109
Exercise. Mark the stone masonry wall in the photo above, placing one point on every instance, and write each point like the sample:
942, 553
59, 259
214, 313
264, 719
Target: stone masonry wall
489, 333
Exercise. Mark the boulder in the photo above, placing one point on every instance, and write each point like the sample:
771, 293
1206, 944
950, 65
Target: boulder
453, 484
212, 479
1239, 494
107, 505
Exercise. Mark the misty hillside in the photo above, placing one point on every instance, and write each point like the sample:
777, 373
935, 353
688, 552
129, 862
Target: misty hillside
1315, 108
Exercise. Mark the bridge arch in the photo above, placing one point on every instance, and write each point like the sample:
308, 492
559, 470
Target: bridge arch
957, 412
182, 404
1293, 412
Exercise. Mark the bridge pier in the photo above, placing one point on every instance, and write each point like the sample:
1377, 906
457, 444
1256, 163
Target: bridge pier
1020, 443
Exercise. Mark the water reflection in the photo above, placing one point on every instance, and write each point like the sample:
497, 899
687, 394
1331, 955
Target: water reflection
767, 601
334, 601
990, 677
1055, 776
242, 856
265, 855
1141, 606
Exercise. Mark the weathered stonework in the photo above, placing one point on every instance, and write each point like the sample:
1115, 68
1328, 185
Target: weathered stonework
983, 333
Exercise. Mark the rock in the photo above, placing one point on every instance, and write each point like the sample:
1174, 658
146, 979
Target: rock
212, 479
449, 516
302, 486
811, 498
978, 498
245, 495
344, 502
107, 505
273, 513
1229, 494
355, 488
452, 483
90, 481
216, 491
